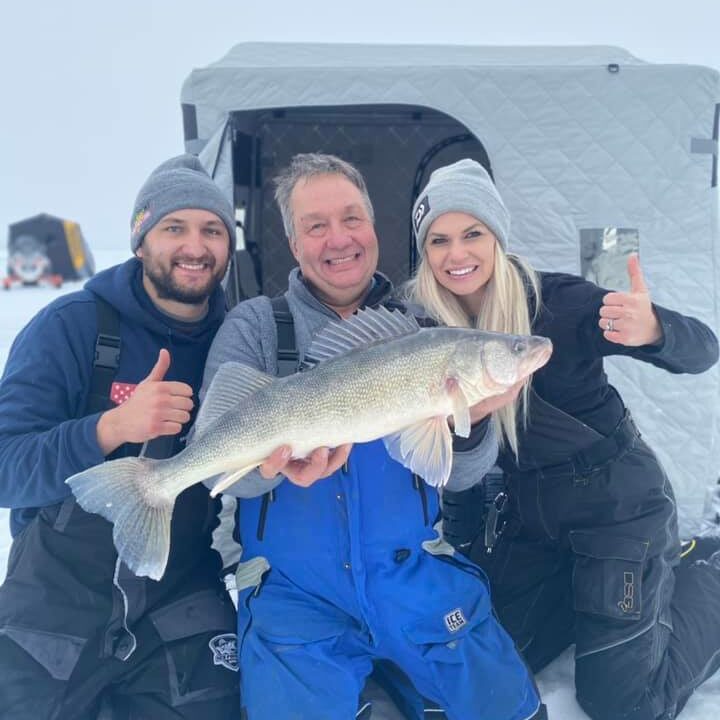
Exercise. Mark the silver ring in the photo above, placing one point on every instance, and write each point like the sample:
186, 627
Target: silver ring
610, 326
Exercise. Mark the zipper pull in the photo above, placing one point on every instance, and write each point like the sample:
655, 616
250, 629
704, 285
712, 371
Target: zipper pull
493, 523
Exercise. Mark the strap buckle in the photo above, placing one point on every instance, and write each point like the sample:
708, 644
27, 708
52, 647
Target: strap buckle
107, 351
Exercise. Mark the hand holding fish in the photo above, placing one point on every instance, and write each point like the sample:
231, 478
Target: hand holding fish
156, 407
320, 463
627, 318
489, 405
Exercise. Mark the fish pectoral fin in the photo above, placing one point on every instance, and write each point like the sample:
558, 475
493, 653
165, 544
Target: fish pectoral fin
461, 410
425, 448
232, 383
228, 479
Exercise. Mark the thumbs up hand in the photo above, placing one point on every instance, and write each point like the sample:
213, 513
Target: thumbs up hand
156, 407
628, 318
160, 368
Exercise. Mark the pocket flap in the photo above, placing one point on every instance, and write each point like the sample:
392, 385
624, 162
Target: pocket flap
201, 612
287, 619
448, 624
608, 547
56, 652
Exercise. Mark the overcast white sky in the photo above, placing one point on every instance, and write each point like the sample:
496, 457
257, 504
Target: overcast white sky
89, 91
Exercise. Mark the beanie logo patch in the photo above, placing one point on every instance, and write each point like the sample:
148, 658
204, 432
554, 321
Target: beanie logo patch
139, 220
422, 210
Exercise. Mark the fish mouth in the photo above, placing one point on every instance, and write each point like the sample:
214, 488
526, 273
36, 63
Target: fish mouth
537, 357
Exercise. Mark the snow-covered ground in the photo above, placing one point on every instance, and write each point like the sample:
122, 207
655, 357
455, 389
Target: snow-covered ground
556, 681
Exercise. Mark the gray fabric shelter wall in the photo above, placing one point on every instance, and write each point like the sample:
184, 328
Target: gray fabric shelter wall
579, 139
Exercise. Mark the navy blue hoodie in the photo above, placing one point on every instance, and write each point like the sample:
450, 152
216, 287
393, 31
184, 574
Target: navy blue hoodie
43, 392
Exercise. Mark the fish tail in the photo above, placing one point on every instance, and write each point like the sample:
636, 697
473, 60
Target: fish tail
120, 491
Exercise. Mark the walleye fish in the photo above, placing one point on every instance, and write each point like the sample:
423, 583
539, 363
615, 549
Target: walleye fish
377, 375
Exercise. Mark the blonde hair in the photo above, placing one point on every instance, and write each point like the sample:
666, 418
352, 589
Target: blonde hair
504, 309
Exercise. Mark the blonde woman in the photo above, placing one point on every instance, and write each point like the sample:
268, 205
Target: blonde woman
582, 545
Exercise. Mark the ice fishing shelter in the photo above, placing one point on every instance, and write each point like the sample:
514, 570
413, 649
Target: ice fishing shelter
594, 151
45, 247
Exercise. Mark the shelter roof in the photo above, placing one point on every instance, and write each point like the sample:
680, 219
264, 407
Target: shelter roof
295, 55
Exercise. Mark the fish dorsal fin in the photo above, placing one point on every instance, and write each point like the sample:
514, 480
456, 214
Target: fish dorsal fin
341, 337
425, 448
232, 383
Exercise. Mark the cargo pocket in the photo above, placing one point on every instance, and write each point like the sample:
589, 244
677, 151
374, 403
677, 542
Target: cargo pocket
56, 652
294, 626
201, 612
283, 614
499, 685
439, 636
607, 576
200, 640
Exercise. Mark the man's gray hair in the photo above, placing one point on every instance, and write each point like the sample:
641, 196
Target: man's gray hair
306, 165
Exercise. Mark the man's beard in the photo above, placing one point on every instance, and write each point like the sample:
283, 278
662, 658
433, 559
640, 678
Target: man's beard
167, 288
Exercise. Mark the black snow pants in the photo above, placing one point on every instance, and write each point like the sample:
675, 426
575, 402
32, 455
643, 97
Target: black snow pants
76, 646
590, 554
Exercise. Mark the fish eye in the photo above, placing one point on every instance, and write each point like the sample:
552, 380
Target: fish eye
519, 347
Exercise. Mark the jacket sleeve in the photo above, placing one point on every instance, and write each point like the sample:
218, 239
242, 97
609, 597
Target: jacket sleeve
42, 391
472, 462
247, 336
688, 345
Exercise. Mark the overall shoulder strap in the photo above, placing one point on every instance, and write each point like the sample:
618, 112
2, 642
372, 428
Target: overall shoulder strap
287, 356
288, 362
105, 365
107, 357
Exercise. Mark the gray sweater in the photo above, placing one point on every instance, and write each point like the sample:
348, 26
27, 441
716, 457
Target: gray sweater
248, 335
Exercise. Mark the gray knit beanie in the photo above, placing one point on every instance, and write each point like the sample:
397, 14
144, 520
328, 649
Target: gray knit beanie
178, 184
464, 186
